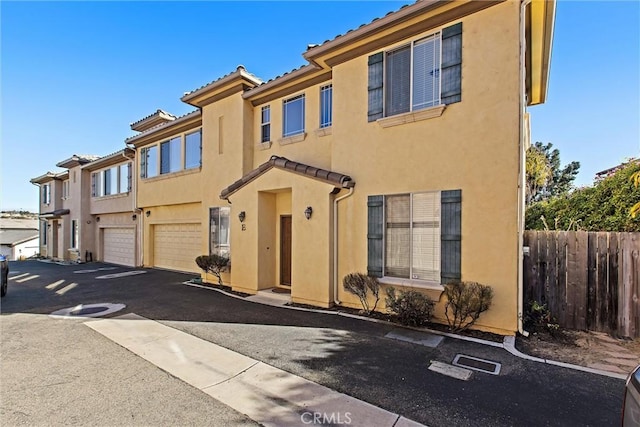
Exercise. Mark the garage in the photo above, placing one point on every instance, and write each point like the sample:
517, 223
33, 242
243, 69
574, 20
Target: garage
119, 246
176, 246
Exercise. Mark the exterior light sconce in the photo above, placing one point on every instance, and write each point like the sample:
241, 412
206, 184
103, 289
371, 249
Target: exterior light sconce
97, 219
134, 217
242, 215
148, 214
308, 212
88, 221
59, 225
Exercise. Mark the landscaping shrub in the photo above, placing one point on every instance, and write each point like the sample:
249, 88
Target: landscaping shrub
465, 302
538, 318
213, 264
411, 307
360, 284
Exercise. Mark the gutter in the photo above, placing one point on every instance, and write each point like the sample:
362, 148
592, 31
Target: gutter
335, 245
522, 166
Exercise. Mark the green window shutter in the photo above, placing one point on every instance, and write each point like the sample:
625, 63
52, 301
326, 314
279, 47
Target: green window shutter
93, 185
375, 231
143, 163
376, 79
451, 67
450, 235
129, 187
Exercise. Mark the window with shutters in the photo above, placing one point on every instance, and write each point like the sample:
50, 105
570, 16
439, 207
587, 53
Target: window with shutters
149, 162
65, 189
111, 181
415, 236
265, 124
46, 194
422, 74
219, 242
326, 106
74, 233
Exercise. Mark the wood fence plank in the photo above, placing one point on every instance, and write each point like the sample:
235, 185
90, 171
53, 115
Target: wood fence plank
634, 274
602, 290
612, 282
541, 296
533, 269
552, 273
562, 248
622, 249
592, 311
581, 280
572, 277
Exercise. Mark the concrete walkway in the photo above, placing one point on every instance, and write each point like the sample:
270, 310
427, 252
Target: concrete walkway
268, 395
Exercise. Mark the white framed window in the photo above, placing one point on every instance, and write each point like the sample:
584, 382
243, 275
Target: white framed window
219, 230
293, 116
326, 106
74, 234
193, 150
114, 180
109, 181
170, 155
65, 189
46, 194
265, 124
412, 236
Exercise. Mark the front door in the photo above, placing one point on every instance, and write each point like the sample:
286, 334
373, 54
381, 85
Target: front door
285, 250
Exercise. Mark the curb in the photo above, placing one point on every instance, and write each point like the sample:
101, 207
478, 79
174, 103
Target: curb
507, 344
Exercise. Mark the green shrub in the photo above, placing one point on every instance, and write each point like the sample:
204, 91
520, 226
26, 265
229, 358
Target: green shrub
538, 318
411, 307
360, 284
214, 264
465, 302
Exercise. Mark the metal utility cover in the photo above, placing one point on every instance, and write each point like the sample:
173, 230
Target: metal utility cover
421, 338
475, 363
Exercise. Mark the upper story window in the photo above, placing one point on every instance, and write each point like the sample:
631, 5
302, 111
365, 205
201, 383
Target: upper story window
326, 106
114, 180
46, 194
293, 116
265, 124
65, 189
421, 74
170, 156
149, 162
193, 150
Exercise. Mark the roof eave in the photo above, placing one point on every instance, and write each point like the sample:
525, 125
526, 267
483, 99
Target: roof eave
117, 157
208, 93
540, 45
186, 122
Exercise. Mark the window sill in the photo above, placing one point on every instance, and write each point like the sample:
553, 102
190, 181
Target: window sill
323, 131
408, 283
263, 145
413, 116
292, 139
173, 174
111, 196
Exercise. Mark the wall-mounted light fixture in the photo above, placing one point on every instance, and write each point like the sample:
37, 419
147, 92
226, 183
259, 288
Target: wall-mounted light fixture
148, 214
134, 217
59, 225
308, 212
88, 221
97, 219
241, 216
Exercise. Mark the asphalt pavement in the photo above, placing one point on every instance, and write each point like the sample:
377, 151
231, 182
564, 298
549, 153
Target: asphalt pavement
348, 355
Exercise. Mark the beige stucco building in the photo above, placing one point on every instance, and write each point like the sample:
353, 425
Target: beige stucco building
398, 150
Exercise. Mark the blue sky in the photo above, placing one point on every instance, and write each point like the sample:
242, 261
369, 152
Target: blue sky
75, 74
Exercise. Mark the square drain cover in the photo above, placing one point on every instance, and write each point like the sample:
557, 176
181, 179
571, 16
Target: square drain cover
477, 364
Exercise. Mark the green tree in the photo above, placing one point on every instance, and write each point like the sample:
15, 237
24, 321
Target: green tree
558, 181
538, 172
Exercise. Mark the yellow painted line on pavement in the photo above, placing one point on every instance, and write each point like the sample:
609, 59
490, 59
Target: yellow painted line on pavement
54, 284
66, 289
26, 279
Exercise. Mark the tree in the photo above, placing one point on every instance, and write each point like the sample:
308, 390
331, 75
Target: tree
552, 182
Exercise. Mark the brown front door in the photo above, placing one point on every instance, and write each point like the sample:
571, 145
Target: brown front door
285, 250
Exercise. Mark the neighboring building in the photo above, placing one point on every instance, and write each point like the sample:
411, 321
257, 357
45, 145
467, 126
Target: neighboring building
19, 238
611, 171
425, 109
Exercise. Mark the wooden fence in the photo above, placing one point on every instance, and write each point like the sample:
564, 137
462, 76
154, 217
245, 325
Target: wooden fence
588, 280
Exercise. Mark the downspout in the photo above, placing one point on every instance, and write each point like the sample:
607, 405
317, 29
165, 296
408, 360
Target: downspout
335, 245
134, 206
522, 163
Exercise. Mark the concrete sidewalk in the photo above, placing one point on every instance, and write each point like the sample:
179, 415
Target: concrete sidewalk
266, 394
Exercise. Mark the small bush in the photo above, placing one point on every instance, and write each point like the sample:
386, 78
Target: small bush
360, 284
538, 318
411, 307
214, 264
465, 302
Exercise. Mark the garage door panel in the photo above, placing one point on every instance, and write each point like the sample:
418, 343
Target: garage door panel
119, 246
176, 246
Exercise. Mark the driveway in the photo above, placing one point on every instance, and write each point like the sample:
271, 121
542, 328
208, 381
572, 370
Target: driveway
348, 355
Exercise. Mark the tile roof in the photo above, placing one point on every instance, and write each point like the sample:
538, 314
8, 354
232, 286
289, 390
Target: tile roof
283, 163
110, 158
163, 125
149, 121
77, 159
239, 69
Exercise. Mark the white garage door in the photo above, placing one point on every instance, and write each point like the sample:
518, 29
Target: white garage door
176, 246
119, 246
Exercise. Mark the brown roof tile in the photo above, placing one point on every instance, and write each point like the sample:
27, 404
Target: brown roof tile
283, 163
